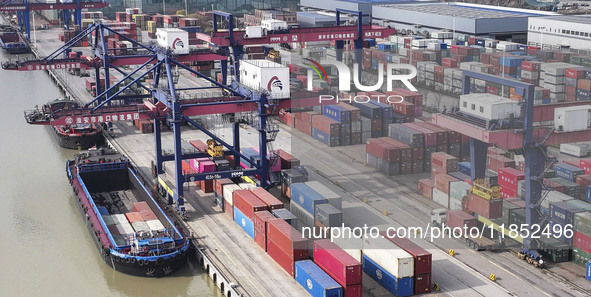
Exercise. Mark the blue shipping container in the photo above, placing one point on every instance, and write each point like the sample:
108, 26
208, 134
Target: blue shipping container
400, 287
316, 282
244, 222
303, 195
387, 110
368, 110
287, 216
337, 113
562, 212
330, 140
459, 175
589, 271
588, 194
567, 171
103, 211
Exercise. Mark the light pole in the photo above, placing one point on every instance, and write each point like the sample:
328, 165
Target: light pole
186, 9
542, 37
34, 30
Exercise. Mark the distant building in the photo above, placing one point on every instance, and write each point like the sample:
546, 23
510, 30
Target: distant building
319, 19
555, 32
365, 6
260, 14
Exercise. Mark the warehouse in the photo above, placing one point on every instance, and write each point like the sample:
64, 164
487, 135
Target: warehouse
555, 32
479, 20
365, 6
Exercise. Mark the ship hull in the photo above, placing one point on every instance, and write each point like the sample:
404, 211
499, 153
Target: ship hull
152, 266
80, 141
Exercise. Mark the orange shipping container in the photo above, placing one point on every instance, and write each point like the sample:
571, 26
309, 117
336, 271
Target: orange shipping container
133, 217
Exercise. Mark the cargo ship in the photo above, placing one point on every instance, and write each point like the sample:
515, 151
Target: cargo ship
132, 233
12, 42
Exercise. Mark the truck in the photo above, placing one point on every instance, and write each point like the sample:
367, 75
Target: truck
531, 256
458, 219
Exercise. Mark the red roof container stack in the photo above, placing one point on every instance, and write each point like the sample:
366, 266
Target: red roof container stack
342, 267
285, 244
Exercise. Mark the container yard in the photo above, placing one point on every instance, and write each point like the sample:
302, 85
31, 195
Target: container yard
469, 177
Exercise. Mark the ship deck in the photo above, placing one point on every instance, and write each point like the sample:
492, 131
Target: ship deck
116, 202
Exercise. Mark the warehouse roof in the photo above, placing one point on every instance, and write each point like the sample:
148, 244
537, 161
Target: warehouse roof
578, 19
468, 11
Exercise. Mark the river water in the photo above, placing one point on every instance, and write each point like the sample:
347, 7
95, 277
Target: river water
46, 249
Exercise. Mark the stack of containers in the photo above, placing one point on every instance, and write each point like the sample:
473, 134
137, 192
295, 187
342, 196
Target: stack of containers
287, 216
383, 155
330, 214
356, 124
287, 160
570, 188
422, 262
387, 113
413, 138
572, 77
425, 188
316, 282
203, 165
562, 214
459, 219
488, 208
388, 265
508, 179
442, 135
585, 182
553, 77
341, 115
457, 191
372, 119
218, 190
303, 121
292, 176
443, 163
530, 72
341, 266
583, 90
496, 162
582, 238
441, 190
261, 219
145, 211
285, 244
568, 172
228, 195
303, 203
245, 205
452, 80
430, 144
267, 198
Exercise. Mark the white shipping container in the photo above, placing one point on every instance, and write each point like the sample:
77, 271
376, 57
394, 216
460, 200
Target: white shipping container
574, 149
140, 226
442, 35
574, 118
228, 192
555, 80
490, 43
173, 38
530, 74
521, 189
119, 218
125, 229
489, 106
554, 196
246, 186
554, 87
155, 225
266, 75
333, 198
253, 32
440, 198
351, 245
455, 204
389, 256
271, 24
507, 46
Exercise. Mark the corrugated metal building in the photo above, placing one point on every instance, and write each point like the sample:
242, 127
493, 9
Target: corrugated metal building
480, 20
365, 6
319, 19
555, 32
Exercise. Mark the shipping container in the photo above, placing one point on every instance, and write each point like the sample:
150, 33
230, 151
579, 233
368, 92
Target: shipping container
288, 239
244, 222
388, 256
459, 219
287, 216
425, 188
422, 258
397, 286
563, 213
440, 197
316, 282
327, 215
459, 189
508, 178
260, 227
303, 195
337, 263
567, 171
305, 218
570, 188
334, 199
583, 222
589, 271
442, 182
488, 208
284, 260
554, 250
248, 203
271, 201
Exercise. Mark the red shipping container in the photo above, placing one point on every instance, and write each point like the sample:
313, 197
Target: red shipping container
496, 162
383, 150
248, 203
260, 227
229, 209
287, 160
491, 209
139, 206
444, 162
288, 239
219, 185
441, 133
267, 198
133, 217
206, 186
284, 260
417, 153
405, 149
199, 145
585, 164
326, 125
430, 136
508, 178
425, 188
422, 258
459, 219
582, 241
554, 185
343, 268
507, 193
575, 73
148, 215
517, 201
422, 283
584, 181
442, 181
572, 162
405, 108
353, 291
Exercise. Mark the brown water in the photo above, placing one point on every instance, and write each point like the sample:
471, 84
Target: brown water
45, 248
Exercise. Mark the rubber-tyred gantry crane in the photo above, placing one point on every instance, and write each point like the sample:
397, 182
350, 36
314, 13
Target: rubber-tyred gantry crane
23, 10
520, 135
166, 104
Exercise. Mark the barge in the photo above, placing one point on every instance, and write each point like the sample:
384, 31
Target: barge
12, 42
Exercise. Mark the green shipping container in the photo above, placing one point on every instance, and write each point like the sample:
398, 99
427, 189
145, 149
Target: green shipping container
581, 257
517, 217
570, 188
580, 204
586, 61
459, 189
508, 207
554, 250
583, 222
575, 60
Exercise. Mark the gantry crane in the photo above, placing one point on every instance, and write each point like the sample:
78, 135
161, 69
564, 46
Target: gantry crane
23, 10
533, 141
166, 104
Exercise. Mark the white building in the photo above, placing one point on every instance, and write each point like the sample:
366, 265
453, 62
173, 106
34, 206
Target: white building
555, 32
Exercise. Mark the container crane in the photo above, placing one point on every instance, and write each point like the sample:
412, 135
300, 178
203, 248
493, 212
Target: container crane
533, 141
166, 104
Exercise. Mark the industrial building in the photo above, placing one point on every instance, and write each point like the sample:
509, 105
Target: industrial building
364, 6
479, 20
318, 19
556, 32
